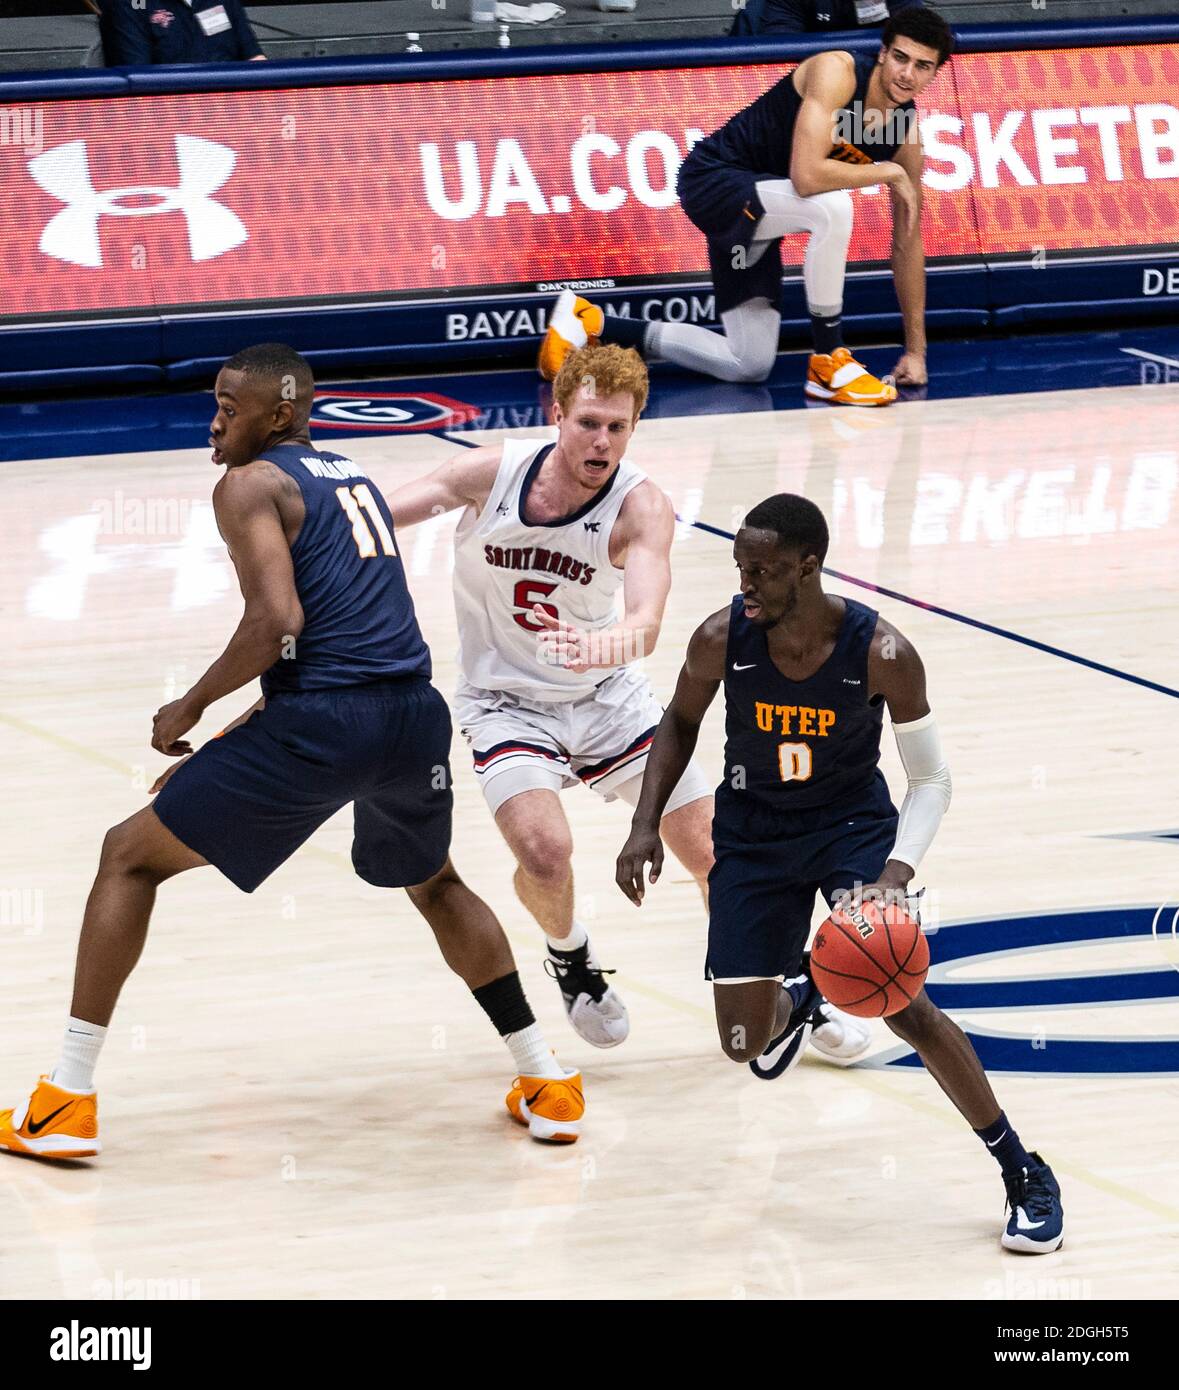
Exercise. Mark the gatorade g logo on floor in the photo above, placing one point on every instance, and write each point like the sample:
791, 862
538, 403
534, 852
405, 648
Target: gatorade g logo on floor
373, 412
1044, 999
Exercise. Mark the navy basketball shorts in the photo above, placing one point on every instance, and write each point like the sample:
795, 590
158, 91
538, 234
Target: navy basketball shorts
248, 800
761, 892
722, 201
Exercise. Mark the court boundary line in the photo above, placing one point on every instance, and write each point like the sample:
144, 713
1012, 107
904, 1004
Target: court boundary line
971, 622
1149, 356
950, 613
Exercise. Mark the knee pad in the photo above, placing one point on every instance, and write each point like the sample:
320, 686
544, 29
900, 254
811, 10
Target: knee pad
757, 361
836, 209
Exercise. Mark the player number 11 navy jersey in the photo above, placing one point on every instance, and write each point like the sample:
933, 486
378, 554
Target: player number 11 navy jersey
359, 623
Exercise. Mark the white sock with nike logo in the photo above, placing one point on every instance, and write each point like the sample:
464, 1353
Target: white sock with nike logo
79, 1055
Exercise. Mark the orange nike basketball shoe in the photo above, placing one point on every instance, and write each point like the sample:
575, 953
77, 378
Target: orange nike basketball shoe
552, 1110
573, 323
840, 380
54, 1124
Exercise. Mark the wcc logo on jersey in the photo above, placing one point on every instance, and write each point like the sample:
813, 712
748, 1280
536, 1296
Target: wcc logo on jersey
380, 412
1048, 1044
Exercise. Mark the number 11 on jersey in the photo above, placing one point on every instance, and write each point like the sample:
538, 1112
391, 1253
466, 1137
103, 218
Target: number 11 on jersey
352, 500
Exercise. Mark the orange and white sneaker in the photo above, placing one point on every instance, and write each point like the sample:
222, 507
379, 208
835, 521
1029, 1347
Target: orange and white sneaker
54, 1124
573, 323
839, 379
552, 1110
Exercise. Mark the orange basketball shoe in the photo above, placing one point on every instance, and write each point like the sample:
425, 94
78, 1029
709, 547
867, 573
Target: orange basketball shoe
839, 379
552, 1110
54, 1124
573, 323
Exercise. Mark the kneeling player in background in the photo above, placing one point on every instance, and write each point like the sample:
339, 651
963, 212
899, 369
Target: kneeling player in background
787, 164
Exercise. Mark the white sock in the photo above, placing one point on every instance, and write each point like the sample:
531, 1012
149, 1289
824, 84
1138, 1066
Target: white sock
79, 1054
532, 1055
578, 936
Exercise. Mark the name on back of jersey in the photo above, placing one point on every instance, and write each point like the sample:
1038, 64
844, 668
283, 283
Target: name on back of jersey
539, 560
332, 468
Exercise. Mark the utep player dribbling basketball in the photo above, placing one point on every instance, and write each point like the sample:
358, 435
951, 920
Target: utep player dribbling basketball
787, 164
348, 715
804, 807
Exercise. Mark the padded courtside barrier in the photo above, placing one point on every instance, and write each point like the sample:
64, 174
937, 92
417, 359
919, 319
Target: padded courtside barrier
413, 209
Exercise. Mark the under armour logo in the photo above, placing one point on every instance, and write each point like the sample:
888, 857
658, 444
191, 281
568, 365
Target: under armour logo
592, 525
503, 510
72, 234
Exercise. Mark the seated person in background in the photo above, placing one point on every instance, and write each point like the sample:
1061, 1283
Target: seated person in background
176, 31
813, 16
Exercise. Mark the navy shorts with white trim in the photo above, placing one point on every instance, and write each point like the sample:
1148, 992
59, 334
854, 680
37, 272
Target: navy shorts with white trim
761, 892
248, 800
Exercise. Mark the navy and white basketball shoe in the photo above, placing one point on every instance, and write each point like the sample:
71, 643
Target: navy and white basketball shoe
1036, 1223
783, 1052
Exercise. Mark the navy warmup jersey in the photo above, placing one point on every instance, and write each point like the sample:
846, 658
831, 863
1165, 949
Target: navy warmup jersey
718, 180
359, 622
760, 137
797, 746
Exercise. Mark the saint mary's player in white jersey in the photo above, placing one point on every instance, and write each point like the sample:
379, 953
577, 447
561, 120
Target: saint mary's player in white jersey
549, 695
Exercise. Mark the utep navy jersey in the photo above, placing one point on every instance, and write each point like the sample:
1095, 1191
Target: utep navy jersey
797, 745
761, 137
359, 623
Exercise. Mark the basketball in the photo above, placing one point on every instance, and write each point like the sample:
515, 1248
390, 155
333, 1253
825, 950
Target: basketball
871, 961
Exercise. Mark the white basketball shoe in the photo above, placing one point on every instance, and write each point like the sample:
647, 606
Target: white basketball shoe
594, 1008
839, 1035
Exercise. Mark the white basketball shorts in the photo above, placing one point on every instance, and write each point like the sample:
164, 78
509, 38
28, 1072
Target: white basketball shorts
601, 740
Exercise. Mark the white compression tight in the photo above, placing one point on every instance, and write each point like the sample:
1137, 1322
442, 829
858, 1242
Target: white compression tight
745, 351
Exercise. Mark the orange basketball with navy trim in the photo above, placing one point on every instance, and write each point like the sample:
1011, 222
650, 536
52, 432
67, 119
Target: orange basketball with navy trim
871, 961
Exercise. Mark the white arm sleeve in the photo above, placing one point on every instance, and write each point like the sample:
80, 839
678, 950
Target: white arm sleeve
928, 794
